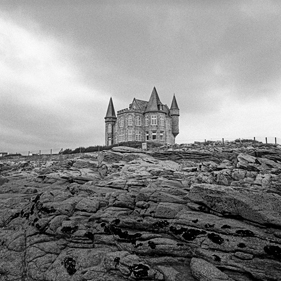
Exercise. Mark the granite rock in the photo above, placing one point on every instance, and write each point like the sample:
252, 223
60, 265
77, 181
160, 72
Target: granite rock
199, 212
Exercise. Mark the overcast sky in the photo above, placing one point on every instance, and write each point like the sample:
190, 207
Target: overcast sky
61, 61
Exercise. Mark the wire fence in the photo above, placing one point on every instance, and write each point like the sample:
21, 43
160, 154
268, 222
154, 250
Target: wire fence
44, 153
265, 140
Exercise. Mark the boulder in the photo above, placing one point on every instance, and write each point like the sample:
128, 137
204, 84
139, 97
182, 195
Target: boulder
205, 271
125, 149
258, 207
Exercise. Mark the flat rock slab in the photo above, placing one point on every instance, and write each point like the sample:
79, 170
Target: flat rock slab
262, 208
205, 271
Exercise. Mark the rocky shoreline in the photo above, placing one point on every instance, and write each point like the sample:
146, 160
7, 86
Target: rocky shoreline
190, 212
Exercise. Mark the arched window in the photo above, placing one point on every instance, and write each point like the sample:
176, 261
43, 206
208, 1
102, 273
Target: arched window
138, 121
121, 122
130, 120
146, 121
109, 128
130, 135
162, 121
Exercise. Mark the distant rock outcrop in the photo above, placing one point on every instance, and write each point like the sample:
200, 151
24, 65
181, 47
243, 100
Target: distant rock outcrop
184, 213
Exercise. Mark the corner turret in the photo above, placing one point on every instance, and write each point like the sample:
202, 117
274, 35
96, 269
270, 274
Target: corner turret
154, 103
110, 121
175, 113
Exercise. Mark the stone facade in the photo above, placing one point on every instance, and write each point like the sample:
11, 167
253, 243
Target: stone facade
143, 121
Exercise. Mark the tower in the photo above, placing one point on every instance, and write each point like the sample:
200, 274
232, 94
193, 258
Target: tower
175, 113
110, 121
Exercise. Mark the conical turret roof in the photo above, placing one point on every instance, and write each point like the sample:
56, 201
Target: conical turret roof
174, 104
110, 110
153, 102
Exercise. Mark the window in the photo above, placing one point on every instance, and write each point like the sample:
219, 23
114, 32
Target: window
130, 135
153, 119
109, 141
161, 135
122, 138
146, 120
147, 135
138, 136
154, 135
109, 128
138, 121
162, 121
121, 122
130, 120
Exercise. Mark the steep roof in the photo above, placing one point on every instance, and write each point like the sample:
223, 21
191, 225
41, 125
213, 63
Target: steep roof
174, 104
154, 101
110, 110
142, 104
166, 109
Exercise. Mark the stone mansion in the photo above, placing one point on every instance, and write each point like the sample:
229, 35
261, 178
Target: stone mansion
143, 121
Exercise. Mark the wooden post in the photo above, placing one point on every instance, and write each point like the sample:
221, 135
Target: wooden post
275, 140
223, 141
51, 151
254, 138
265, 139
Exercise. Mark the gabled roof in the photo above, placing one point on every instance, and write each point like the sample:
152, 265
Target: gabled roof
154, 101
142, 104
110, 110
166, 109
174, 104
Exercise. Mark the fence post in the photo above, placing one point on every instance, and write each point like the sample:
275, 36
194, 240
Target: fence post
275, 140
51, 152
266, 140
223, 141
254, 138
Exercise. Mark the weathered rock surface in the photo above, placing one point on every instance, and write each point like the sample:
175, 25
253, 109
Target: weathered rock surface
187, 213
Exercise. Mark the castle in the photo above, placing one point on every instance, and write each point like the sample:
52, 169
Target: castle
143, 121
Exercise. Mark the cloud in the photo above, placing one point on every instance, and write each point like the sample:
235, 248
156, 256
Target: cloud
41, 92
61, 61
234, 120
